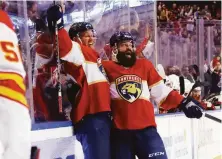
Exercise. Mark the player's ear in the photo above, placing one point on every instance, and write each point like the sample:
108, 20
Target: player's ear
115, 49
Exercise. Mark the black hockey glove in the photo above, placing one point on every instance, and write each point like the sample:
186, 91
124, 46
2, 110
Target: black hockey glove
55, 16
191, 108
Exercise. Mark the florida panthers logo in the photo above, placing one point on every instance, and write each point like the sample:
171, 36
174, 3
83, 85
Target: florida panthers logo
129, 87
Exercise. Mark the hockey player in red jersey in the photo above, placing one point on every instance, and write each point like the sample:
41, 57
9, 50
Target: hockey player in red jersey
91, 112
15, 123
83, 33
133, 82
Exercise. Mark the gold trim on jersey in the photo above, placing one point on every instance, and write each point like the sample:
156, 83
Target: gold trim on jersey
13, 95
90, 62
155, 84
142, 98
97, 81
161, 102
15, 77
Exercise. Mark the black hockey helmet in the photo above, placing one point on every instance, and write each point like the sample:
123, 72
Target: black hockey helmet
78, 27
120, 36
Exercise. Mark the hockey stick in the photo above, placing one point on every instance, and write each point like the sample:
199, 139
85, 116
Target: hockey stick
182, 85
212, 117
58, 67
200, 84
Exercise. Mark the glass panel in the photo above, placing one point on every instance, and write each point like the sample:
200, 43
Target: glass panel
142, 27
107, 17
212, 36
45, 92
176, 50
176, 41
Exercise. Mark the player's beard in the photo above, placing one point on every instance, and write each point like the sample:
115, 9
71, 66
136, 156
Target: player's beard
127, 58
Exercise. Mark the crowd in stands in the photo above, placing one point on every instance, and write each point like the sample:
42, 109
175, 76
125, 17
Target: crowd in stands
177, 30
186, 12
180, 17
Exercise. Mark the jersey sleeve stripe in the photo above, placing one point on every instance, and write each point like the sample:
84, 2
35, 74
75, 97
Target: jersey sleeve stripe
13, 95
6, 20
93, 74
155, 84
69, 50
75, 55
11, 85
159, 92
172, 100
15, 77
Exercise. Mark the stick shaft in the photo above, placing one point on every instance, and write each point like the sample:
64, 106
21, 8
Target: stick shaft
212, 117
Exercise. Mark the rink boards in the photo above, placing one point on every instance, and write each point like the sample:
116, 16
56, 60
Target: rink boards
183, 138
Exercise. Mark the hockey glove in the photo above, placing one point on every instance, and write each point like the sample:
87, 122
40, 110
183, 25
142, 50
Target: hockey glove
191, 108
55, 17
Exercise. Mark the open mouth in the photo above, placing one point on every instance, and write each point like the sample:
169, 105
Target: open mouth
91, 44
128, 55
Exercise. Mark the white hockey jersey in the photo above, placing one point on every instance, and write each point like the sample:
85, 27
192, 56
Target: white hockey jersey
12, 72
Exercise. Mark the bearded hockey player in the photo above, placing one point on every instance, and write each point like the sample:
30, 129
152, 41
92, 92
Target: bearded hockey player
90, 114
15, 124
133, 82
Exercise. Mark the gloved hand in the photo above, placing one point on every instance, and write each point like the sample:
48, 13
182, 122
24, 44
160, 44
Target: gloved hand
191, 108
55, 16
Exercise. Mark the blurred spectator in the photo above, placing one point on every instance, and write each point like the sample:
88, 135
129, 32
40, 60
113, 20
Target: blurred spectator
186, 74
4, 5
163, 14
32, 10
213, 11
175, 12
217, 43
196, 13
216, 75
186, 10
194, 71
190, 25
206, 10
185, 71
173, 70
212, 76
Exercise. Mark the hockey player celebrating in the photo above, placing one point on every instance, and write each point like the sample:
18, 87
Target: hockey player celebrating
83, 33
90, 114
133, 82
15, 124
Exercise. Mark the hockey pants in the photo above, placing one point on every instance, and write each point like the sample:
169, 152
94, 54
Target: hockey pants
94, 135
145, 144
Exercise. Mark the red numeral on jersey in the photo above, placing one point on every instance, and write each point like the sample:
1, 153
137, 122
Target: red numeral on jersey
8, 50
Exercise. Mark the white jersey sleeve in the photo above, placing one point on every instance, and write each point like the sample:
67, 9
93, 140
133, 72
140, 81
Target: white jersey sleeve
10, 56
12, 72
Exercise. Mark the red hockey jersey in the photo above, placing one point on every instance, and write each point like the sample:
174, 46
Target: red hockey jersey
83, 64
131, 90
45, 62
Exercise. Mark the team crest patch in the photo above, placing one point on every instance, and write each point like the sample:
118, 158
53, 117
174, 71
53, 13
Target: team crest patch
129, 87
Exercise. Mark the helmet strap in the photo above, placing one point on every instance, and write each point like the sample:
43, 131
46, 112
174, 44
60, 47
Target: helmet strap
79, 39
114, 53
